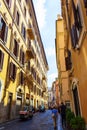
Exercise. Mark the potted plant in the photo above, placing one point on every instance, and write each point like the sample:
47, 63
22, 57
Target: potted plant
77, 123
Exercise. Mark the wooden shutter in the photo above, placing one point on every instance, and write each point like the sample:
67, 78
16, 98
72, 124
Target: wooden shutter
85, 3
12, 71
74, 36
23, 57
16, 48
1, 59
79, 25
21, 78
6, 33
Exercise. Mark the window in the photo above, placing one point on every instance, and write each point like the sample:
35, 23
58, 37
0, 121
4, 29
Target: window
85, 3
24, 11
8, 2
1, 59
16, 48
22, 56
74, 36
23, 31
21, 78
12, 71
3, 30
17, 17
78, 28
0, 89
68, 61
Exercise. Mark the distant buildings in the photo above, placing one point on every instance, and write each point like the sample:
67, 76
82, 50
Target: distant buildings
23, 63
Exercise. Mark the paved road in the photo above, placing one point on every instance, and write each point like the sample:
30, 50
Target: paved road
40, 121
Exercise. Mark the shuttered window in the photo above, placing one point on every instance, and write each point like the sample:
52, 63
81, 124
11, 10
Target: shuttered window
3, 30
1, 59
22, 56
77, 17
68, 61
17, 17
74, 36
21, 78
85, 3
12, 70
16, 48
23, 31
9, 3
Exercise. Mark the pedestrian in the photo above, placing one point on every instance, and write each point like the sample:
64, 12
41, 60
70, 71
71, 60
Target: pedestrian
63, 114
54, 116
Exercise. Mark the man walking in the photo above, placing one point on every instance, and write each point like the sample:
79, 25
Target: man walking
54, 116
63, 113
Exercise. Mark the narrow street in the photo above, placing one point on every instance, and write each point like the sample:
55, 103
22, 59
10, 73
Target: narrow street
40, 121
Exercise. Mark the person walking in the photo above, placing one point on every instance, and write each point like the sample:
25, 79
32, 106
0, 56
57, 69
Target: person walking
63, 114
54, 116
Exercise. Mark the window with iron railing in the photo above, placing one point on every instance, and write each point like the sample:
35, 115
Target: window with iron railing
3, 30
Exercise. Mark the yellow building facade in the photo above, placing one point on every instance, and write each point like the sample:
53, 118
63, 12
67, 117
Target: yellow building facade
63, 80
23, 63
74, 13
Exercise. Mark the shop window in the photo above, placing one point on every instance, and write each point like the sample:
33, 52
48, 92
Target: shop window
1, 59
16, 48
3, 30
8, 3
12, 71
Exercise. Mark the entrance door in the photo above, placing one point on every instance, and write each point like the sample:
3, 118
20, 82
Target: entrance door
76, 101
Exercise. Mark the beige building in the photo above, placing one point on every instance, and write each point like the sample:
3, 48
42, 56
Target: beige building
23, 63
63, 80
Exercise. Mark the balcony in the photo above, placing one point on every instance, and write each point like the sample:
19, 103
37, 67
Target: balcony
44, 77
30, 33
44, 89
30, 53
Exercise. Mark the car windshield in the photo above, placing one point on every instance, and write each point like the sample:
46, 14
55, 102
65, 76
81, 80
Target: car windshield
24, 108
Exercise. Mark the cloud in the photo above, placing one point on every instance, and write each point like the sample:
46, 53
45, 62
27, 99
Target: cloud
40, 12
50, 51
52, 76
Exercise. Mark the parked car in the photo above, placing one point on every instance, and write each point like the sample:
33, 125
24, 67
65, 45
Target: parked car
26, 112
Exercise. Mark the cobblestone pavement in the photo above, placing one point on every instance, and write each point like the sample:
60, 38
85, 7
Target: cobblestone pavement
40, 121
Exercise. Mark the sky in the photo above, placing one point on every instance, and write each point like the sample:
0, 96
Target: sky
46, 13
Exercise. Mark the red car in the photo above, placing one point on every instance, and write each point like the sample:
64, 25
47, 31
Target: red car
26, 112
